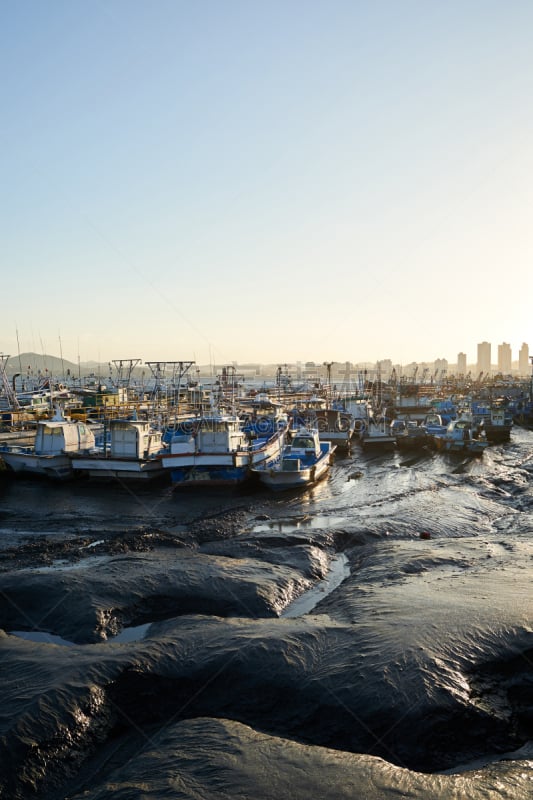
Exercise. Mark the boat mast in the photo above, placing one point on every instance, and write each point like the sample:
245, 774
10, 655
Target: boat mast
9, 391
18, 350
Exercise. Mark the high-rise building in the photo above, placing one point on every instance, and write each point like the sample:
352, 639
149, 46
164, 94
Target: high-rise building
483, 358
524, 367
461, 364
504, 359
440, 368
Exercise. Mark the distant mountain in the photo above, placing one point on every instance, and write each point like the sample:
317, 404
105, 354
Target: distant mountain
35, 364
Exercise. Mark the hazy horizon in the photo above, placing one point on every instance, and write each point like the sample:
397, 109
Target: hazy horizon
114, 363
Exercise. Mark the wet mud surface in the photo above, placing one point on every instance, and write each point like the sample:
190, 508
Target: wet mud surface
169, 665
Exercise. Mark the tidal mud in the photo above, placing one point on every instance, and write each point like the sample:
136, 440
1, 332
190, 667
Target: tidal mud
411, 675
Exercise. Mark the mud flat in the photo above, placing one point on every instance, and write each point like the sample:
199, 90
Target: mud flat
416, 665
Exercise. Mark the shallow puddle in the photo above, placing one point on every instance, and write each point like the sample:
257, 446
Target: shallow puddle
338, 571
42, 637
298, 523
133, 634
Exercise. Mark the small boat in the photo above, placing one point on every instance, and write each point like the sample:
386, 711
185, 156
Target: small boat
521, 410
215, 450
446, 409
56, 440
302, 462
132, 452
409, 435
378, 433
461, 437
336, 426
361, 416
435, 424
495, 418
264, 424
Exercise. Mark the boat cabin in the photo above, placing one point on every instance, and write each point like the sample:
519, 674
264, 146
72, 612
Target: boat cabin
134, 439
222, 434
62, 436
306, 443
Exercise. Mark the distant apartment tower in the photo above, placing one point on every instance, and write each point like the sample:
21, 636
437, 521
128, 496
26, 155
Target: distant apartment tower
483, 358
461, 364
504, 359
440, 368
524, 367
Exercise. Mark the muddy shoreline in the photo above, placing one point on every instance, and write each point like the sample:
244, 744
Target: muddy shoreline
410, 671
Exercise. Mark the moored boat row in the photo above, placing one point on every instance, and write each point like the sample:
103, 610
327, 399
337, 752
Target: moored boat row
209, 436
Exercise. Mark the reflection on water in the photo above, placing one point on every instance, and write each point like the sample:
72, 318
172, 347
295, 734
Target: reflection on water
133, 634
298, 523
338, 571
41, 636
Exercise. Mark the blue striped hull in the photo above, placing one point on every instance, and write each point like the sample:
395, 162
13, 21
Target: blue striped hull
208, 475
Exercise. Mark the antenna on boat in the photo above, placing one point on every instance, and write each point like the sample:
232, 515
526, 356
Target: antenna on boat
328, 365
18, 350
61, 354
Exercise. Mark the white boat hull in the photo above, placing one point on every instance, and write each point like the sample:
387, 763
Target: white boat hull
302, 463
56, 466
378, 440
127, 469
279, 479
204, 468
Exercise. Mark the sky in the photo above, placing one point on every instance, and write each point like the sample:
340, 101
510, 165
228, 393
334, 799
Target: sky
265, 180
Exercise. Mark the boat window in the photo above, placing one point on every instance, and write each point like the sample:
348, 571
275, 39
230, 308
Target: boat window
121, 426
48, 431
303, 441
217, 426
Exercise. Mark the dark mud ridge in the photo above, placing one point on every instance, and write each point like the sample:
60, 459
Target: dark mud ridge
419, 663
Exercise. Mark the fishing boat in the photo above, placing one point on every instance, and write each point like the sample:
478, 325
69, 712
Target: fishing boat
131, 450
446, 409
56, 440
522, 411
214, 449
434, 424
409, 434
302, 462
261, 425
361, 413
336, 426
461, 436
377, 433
496, 419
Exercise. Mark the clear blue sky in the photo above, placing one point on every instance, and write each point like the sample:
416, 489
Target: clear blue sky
266, 181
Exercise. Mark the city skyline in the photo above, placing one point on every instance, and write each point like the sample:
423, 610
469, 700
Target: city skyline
484, 362
265, 181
